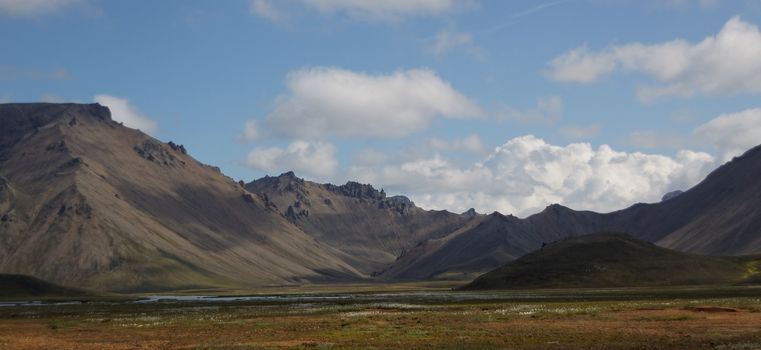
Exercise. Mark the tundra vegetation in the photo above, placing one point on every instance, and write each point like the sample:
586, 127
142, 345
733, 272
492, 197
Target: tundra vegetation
400, 316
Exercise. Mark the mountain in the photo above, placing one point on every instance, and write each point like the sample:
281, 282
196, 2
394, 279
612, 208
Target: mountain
372, 229
19, 286
490, 243
615, 260
87, 202
719, 216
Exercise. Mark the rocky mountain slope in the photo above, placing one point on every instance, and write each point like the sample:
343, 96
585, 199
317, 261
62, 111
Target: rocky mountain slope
87, 202
615, 260
361, 221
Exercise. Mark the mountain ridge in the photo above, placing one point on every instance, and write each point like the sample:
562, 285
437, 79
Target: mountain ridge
111, 208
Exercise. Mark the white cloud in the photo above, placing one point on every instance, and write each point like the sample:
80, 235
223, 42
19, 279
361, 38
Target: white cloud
470, 144
26, 8
250, 132
449, 39
315, 159
548, 110
526, 174
727, 63
325, 102
122, 111
732, 134
576, 132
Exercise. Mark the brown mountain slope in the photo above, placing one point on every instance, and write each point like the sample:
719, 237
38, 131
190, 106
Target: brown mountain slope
85, 201
719, 216
371, 228
491, 243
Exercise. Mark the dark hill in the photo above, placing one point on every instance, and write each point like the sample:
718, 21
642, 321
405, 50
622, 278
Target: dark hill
13, 286
614, 260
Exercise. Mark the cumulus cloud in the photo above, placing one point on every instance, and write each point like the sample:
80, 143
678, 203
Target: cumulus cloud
734, 133
26, 8
386, 10
548, 110
311, 158
727, 63
526, 174
123, 111
324, 102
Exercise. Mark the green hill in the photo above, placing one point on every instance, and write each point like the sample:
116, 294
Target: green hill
14, 286
615, 260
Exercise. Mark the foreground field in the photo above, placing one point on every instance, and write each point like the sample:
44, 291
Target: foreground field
726, 318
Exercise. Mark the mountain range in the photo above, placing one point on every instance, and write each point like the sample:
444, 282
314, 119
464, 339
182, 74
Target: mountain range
90, 203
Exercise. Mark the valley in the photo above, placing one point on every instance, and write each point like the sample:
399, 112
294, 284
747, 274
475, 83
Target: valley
420, 317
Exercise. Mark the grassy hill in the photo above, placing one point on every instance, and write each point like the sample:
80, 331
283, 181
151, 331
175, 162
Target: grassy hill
14, 286
615, 260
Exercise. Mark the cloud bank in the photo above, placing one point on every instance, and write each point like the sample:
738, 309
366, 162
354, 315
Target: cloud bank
323, 102
525, 174
317, 159
727, 63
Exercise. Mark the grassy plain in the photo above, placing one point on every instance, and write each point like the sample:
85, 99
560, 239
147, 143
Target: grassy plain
402, 317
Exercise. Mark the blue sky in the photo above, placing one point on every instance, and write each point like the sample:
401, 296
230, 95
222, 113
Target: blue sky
497, 105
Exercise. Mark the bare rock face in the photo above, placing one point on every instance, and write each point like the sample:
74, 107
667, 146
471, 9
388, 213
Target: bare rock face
358, 190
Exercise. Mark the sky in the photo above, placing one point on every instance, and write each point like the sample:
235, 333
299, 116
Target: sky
490, 104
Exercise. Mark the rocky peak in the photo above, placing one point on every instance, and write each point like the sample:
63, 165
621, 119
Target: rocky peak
470, 213
358, 190
20, 119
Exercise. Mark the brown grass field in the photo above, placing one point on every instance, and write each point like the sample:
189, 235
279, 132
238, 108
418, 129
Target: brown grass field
392, 318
